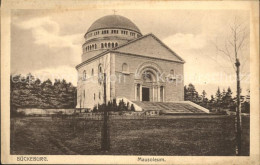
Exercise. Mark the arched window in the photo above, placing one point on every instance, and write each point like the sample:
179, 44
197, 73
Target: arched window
95, 46
105, 45
100, 69
113, 45
124, 67
108, 45
84, 76
102, 45
92, 72
100, 74
99, 95
116, 44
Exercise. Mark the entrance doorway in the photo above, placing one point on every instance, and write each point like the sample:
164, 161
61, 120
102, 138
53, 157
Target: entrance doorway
145, 94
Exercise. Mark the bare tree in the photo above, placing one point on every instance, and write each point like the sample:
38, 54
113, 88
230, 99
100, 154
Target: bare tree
105, 139
232, 50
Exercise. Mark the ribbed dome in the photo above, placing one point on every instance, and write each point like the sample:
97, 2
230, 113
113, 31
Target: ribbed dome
113, 21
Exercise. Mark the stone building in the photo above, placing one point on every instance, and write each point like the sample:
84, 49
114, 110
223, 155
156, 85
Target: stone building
138, 67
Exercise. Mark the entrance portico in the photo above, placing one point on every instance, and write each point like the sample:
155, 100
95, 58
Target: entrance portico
154, 93
147, 86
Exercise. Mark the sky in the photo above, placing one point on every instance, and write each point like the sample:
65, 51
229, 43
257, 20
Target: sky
48, 43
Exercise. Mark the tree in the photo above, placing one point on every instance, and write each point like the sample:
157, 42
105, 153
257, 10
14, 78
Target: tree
102, 78
227, 100
122, 105
185, 93
191, 94
95, 109
204, 99
211, 102
212, 99
218, 98
223, 94
245, 106
114, 106
232, 51
204, 94
29, 92
132, 107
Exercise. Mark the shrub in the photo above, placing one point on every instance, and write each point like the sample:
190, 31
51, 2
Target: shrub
95, 109
132, 107
18, 114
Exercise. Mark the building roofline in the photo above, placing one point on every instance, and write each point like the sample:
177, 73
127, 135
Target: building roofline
137, 39
163, 44
151, 34
107, 51
93, 58
139, 55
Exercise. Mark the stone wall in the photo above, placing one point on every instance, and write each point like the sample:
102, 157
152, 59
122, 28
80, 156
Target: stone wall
174, 91
91, 86
36, 111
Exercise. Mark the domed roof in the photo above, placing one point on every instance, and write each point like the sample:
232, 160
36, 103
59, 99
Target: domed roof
113, 21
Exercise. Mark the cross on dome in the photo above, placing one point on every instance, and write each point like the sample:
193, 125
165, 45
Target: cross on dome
114, 11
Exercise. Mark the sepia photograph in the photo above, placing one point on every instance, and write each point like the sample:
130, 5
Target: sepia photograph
148, 83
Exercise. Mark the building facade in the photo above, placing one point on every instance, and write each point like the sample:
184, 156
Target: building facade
137, 67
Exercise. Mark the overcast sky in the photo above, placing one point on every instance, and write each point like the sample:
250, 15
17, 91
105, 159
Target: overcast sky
49, 43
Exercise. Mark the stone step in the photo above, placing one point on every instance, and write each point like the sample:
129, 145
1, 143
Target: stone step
170, 107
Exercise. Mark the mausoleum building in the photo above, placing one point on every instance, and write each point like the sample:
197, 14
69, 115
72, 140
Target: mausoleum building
138, 67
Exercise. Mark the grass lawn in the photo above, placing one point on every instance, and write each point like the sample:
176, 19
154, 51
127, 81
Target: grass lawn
169, 135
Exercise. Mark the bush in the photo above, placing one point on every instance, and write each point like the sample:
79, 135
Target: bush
95, 109
132, 107
17, 114
245, 107
112, 106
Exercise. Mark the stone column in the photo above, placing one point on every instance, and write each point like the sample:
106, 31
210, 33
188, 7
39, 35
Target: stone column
153, 93
158, 90
162, 93
141, 94
135, 91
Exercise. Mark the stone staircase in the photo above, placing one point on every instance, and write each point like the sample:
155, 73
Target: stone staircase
181, 107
